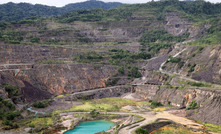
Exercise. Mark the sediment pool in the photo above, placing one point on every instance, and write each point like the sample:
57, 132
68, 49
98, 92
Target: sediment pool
91, 127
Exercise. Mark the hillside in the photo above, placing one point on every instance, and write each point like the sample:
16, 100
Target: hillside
16, 12
163, 53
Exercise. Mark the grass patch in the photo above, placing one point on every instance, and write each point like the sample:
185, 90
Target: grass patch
141, 131
102, 105
106, 104
192, 105
212, 127
42, 104
160, 109
155, 104
199, 84
59, 96
38, 122
173, 129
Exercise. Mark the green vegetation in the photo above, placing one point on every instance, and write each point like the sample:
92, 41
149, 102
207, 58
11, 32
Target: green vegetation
192, 105
39, 122
3, 25
160, 109
160, 39
199, 84
89, 57
105, 104
141, 131
181, 64
134, 73
112, 81
155, 103
96, 15
12, 91
94, 113
42, 104
173, 129
121, 70
205, 13
212, 127
124, 59
51, 61
8, 113
102, 105
161, 35
12, 37
174, 60
34, 39
192, 67
119, 56
16, 12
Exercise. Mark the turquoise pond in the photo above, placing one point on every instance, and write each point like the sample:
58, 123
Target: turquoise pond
91, 127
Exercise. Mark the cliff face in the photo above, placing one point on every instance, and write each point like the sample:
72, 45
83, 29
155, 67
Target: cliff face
208, 100
21, 54
59, 78
116, 91
200, 63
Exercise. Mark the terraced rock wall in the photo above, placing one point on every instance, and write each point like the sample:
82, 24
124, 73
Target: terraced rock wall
57, 78
208, 100
116, 91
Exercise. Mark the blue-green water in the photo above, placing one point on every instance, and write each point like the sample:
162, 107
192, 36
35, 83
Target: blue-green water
91, 127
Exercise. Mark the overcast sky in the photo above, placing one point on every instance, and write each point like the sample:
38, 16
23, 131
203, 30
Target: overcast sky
60, 3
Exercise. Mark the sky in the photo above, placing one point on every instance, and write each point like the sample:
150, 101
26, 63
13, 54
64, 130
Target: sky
60, 3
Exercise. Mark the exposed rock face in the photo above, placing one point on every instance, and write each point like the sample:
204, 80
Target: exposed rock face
116, 91
208, 100
23, 54
31, 93
177, 25
207, 60
14, 54
60, 78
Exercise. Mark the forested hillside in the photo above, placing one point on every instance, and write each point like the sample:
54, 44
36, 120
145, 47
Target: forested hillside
16, 12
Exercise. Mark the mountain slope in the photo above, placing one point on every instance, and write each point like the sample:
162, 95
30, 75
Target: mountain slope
16, 12
169, 50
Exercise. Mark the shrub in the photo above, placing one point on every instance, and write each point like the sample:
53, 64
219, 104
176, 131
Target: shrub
169, 103
84, 40
89, 57
42, 104
141, 131
34, 39
175, 60
198, 84
200, 49
134, 73
7, 122
181, 64
11, 115
156, 104
12, 91
9, 105
112, 82
192, 68
192, 105
121, 70
94, 113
